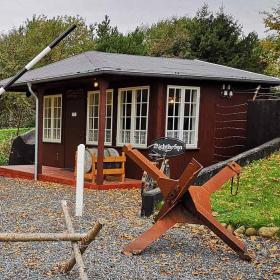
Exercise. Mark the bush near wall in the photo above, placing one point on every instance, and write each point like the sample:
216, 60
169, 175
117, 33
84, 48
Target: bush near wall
6, 139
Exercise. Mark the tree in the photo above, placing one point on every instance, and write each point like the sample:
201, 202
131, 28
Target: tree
20, 45
218, 38
271, 44
169, 38
109, 39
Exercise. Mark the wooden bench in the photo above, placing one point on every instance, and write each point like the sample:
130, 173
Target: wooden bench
91, 175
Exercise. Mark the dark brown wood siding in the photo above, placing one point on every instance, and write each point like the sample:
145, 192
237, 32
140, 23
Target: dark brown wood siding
54, 154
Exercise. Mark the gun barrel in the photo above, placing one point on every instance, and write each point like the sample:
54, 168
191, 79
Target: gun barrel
37, 58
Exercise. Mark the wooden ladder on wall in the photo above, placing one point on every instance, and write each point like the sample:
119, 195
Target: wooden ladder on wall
230, 131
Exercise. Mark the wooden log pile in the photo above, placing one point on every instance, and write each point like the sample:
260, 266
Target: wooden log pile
79, 241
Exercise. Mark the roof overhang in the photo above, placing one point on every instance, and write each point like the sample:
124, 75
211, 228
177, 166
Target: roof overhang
22, 86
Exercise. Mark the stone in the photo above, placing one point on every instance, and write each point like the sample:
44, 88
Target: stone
239, 230
268, 231
230, 228
215, 214
250, 231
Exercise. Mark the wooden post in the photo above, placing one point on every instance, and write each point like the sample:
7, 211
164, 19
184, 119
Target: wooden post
78, 255
80, 162
40, 133
103, 86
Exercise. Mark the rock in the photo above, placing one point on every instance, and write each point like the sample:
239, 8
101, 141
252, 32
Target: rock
251, 231
239, 230
215, 214
268, 231
230, 228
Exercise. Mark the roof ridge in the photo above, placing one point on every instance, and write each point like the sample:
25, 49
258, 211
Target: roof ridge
137, 55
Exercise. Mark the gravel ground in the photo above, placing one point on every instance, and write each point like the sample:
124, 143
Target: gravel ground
186, 252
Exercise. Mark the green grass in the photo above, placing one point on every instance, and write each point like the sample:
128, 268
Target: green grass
258, 201
6, 137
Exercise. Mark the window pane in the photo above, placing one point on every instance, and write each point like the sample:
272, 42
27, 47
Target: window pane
133, 116
137, 123
145, 95
143, 123
52, 117
187, 95
194, 95
187, 109
176, 111
138, 108
181, 114
186, 123
129, 96
176, 123
170, 109
170, 123
144, 110
193, 110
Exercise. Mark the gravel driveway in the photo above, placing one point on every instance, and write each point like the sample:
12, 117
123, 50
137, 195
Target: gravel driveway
186, 252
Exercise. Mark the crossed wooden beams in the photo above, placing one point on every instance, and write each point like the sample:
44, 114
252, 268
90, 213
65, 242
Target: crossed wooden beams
78, 249
184, 203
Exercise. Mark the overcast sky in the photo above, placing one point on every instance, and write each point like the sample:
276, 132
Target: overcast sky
127, 14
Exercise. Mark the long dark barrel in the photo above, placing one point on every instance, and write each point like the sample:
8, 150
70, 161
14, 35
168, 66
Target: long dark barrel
37, 58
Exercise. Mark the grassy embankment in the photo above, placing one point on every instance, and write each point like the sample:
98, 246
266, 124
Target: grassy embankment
258, 201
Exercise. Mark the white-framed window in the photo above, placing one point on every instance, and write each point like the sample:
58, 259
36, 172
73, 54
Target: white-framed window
182, 114
92, 117
52, 118
133, 116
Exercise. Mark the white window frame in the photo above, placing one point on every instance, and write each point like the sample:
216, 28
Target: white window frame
133, 116
181, 113
88, 142
51, 139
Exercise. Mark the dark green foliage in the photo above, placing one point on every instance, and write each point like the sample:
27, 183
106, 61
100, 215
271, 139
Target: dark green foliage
218, 38
109, 39
169, 38
20, 45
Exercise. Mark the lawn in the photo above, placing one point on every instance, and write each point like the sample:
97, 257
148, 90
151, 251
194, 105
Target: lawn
258, 201
6, 137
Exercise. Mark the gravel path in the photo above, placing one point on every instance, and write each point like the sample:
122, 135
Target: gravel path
186, 252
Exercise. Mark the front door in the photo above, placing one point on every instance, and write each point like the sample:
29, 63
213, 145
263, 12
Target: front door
75, 125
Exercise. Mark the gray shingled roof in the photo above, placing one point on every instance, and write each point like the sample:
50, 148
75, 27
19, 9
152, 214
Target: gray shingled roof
94, 63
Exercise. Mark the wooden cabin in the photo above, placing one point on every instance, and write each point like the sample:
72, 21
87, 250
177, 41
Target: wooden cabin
108, 100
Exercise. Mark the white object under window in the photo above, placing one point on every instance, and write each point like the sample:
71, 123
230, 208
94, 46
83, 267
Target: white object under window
92, 117
52, 118
182, 114
133, 116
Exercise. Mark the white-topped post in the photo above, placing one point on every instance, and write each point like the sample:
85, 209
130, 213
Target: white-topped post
80, 180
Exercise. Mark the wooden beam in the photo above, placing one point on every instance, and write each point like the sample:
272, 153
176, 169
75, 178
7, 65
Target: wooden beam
103, 86
27, 237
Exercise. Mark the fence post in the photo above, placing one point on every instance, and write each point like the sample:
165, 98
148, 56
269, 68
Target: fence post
80, 180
